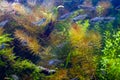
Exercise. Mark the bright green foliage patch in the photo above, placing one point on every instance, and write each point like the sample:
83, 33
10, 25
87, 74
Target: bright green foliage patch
110, 62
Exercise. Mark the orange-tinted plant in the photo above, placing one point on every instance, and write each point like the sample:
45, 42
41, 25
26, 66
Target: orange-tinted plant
1, 31
88, 3
60, 75
103, 6
19, 8
84, 45
31, 41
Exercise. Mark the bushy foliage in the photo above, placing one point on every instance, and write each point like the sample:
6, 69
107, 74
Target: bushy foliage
109, 63
84, 44
19, 67
75, 45
79, 51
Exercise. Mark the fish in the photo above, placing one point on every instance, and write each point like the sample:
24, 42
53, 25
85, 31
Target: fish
3, 23
46, 70
87, 7
109, 18
97, 19
65, 16
54, 62
40, 22
80, 17
117, 8
100, 19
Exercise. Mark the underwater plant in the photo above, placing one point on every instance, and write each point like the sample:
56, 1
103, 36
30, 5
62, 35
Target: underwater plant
76, 39
60, 75
1, 31
85, 45
108, 67
12, 65
102, 8
28, 41
79, 51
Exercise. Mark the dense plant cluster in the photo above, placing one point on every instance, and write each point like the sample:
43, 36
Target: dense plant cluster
71, 49
109, 64
12, 65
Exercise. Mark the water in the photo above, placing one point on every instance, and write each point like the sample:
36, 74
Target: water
59, 39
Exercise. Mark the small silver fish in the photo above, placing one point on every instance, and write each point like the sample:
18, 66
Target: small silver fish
40, 22
80, 17
97, 19
109, 18
54, 62
87, 7
51, 71
3, 23
65, 16
46, 70
104, 19
117, 8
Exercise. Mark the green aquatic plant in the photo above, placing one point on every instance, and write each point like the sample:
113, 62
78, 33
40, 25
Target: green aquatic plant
117, 19
110, 60
85, 44
4, 50
102, 28
15, 65
4, 38
78, 51
25, 67
59, 34
100, 10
